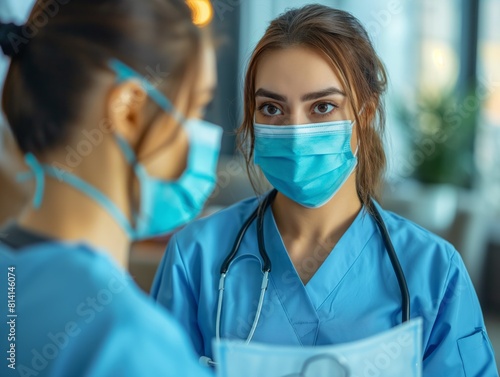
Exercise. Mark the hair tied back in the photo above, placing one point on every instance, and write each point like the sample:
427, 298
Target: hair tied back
9, 33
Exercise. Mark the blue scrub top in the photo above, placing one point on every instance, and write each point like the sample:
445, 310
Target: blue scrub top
354, 293
79, 314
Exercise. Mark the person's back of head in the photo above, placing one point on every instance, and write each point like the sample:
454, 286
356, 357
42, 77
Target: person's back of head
93, 88
58, 54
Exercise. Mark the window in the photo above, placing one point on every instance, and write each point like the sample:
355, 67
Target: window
488, 138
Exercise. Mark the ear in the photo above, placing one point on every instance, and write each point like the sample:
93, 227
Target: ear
125, 108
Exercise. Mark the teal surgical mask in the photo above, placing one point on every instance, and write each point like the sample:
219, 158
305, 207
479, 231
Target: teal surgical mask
307, 163
164, 204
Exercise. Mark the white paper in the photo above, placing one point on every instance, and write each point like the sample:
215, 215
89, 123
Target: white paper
393, 353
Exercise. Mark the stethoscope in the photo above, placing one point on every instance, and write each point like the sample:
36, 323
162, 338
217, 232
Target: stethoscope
258, 214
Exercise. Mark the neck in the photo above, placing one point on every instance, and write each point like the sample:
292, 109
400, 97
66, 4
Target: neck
67, 214
325, 224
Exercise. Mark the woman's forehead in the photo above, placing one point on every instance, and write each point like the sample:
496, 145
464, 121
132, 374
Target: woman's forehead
297, 69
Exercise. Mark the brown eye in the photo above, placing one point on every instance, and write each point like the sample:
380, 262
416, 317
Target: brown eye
323, 108
270, 110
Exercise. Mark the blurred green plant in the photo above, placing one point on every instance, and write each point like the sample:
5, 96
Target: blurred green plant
441, 130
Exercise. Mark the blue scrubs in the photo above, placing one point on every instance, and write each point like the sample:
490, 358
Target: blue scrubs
79, 314
354, 293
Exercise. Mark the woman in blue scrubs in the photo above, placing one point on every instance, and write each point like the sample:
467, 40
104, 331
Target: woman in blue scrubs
103, 98
313, 123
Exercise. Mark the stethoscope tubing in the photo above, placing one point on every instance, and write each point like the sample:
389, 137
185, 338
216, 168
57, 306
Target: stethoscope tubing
258, 214
398, 270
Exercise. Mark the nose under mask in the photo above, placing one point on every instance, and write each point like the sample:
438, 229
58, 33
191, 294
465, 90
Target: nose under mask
308, 163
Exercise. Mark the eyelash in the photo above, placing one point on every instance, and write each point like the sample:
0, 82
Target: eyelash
264, 105
328, 113
316, 104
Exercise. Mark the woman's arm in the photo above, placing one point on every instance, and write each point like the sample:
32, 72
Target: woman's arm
458, 344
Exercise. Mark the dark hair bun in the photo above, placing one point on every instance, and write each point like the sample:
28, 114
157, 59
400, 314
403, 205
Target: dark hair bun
7, 31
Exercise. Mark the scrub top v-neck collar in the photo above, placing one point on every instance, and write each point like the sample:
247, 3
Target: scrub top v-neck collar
329, 275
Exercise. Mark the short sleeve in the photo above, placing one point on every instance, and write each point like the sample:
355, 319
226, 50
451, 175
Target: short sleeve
458, 345
476, 354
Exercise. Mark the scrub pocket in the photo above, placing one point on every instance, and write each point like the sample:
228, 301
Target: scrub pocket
477, 355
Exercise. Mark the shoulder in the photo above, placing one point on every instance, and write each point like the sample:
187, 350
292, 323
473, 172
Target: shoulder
156, 336
73, 269
88, 278
412, 237
144, 339
432, 265
60, 261
101, 304
421, 252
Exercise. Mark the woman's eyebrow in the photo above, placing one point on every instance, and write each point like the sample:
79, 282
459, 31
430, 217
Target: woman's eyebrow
306, 97
321, 94
266, 93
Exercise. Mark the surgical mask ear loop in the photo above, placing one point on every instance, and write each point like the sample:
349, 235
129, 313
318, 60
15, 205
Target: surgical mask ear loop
353, 124
39, 175
356, 151
355, 154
